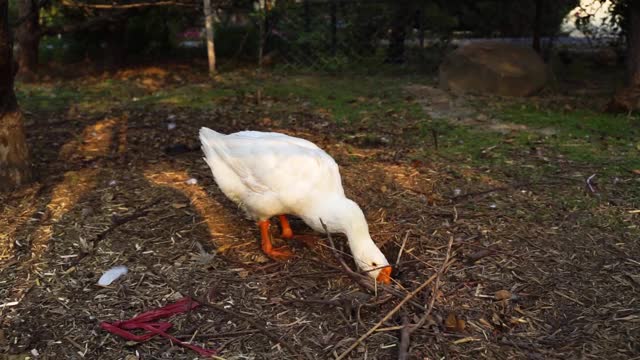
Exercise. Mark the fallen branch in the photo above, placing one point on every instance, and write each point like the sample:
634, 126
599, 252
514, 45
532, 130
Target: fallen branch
404, 242
363, 280
91, 24
393, 311
359, 278
381, 287
116, 221
436, 287
405, 339
589, 184
408, 329
74, 4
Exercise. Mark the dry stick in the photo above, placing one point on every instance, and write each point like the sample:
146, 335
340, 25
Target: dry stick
404, 242
405, 339
389, 290
125, 6
434, 293
392, 312
116, 221
407, 329
360, 279
354, 275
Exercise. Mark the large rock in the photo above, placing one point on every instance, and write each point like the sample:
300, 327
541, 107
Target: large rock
493, 68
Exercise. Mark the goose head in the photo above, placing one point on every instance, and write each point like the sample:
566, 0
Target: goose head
347, 217
371, 260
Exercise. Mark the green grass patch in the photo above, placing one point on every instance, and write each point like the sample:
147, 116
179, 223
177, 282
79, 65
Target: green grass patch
102, 96
90, 97
574, 123
464, 143
198, 96
346, 99
609, 141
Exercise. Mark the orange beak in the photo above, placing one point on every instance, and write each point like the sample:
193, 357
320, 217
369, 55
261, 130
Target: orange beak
385, 275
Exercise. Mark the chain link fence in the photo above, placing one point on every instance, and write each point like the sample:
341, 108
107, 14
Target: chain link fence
334, 36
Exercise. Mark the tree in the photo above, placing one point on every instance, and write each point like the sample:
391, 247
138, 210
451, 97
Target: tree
633, 42
30, 32
15, 168
401, 16
28, 36
537, 26
109, 20
208, 20
507, 18
626, 15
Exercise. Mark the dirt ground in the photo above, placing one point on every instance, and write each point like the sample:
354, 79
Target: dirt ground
534, 273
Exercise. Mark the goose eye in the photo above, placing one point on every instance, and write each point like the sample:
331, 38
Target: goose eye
374, 264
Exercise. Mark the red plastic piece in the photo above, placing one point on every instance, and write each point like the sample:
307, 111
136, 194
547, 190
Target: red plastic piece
143, 321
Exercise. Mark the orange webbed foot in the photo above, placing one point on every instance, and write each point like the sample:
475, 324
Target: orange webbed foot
281, 253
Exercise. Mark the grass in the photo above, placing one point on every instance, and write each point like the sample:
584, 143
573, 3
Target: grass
612, 141
347, 99
104, 95
576, 122
368, 104
200, 96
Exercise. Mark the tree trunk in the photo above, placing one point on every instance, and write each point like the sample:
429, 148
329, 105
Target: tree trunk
627, 99
307, 16
15, 168
537, 26
116, 55
261, 32
633, 58
28, 36
334, 27
211, 49
420, 26
395, 53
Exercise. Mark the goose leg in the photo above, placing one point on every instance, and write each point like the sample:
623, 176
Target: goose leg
287, 233
308, 240
280, 253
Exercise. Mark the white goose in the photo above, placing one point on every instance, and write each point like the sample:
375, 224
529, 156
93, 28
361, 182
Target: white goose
269, 174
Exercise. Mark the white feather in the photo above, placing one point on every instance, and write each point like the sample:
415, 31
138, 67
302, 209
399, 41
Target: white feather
112, 274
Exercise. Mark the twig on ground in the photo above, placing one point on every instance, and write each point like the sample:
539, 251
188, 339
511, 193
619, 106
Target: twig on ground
392, 312
407, 329
116, 221
404, 242
405, 339
363, 280
436, 286
589, 183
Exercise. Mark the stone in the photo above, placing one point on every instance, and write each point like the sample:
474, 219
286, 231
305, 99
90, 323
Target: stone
493, 68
